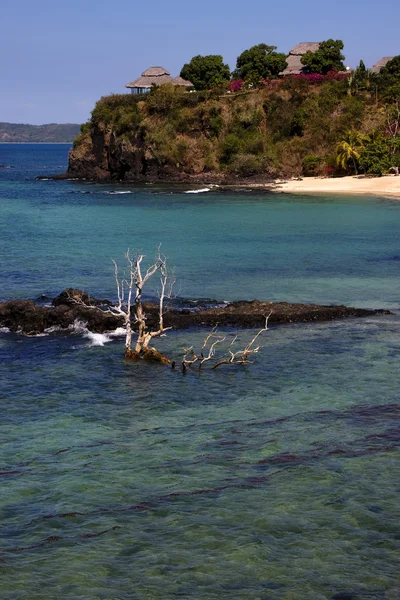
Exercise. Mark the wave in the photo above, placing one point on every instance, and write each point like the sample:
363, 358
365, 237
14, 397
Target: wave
119, 332
95, 339
108, 192
53, 329
4, 330
100, 339
121, 192
201, 191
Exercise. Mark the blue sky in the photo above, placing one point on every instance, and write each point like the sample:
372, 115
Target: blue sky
58, 58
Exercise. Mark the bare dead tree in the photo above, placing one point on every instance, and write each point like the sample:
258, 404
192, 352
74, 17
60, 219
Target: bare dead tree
130, 289
130, 284
208, 352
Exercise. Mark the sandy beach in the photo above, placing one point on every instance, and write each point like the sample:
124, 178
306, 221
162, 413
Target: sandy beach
388, 185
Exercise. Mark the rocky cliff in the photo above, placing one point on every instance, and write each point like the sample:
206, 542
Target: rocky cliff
288, 128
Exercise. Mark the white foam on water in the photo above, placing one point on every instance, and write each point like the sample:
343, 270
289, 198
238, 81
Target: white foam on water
97, 339
53, 329
4, 330
201, 191
119, 332
78, 326
122, 192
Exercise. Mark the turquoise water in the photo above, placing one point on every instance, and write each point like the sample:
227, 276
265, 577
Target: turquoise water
276, 481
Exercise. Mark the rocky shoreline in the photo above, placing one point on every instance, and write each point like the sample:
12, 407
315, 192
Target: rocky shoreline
29, 318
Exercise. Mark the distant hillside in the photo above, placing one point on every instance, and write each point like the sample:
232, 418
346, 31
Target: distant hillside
17, 132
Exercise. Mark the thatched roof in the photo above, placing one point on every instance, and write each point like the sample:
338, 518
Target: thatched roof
381, 63
304, 47
184, 82
294, 65
152, 76
155, 72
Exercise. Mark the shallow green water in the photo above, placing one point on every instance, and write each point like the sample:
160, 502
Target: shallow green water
276, 481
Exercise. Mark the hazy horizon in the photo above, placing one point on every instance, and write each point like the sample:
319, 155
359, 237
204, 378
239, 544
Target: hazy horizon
59, 64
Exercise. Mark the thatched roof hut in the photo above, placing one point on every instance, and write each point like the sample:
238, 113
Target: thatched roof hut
294, 65
183, 82
154, 76
150, 77
381, 63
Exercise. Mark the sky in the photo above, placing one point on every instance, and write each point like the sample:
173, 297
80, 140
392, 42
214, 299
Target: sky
58, 58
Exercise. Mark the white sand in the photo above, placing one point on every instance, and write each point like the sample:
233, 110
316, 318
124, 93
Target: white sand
388, 185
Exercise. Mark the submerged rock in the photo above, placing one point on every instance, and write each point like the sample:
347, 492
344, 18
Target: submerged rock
75, 305
26, 317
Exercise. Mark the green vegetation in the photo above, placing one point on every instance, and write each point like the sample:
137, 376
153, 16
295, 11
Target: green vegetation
287, 127
348, 150
258, 63
326, 58
206, 72
52, 133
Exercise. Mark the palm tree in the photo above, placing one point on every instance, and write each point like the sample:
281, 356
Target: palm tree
348, 149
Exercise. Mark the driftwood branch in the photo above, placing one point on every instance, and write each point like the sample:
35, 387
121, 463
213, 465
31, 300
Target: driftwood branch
213, 340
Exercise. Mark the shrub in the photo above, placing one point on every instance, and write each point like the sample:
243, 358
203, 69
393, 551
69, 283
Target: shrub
85, 129
107, 106
253, 143
375, 156
211, 119
163, 99
127, 123
236, 85
229, 147
184, 121
310, 164
246, 165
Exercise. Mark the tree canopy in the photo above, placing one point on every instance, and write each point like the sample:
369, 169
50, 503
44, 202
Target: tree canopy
392, 68
206, 72
259, 62
327, 58
388, 80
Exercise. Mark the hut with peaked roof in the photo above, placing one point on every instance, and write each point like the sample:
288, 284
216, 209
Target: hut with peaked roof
183, 82
294, 65
150, 77
154, 76
381, 63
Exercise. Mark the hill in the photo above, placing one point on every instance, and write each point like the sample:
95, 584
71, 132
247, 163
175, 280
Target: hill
291, 127
51, 133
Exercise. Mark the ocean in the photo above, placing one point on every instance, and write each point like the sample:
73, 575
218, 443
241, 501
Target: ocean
278, 480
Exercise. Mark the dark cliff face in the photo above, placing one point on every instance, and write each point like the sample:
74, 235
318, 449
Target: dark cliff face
103, 156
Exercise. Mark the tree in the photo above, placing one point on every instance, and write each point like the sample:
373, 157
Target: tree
375, 157
391, 69
360, 79
258, 63
129, 288
131, 309
327, 58
388, 80
380, 154
348, 150
206, 72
